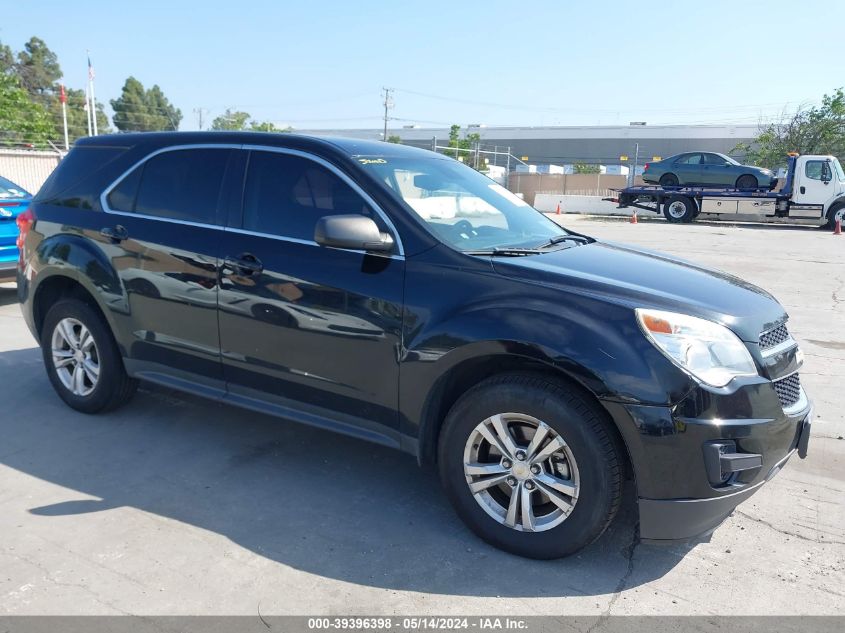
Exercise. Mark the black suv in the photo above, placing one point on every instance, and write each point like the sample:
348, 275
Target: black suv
399, 296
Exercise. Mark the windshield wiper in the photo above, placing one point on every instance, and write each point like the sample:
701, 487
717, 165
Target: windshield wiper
570, 237
506, 251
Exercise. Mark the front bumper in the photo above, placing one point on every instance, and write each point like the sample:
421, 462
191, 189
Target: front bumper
677, 497
666, 520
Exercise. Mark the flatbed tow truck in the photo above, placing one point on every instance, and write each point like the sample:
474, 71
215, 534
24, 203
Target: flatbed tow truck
813, 193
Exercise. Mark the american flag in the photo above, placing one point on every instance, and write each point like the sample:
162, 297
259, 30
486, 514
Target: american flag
90, 70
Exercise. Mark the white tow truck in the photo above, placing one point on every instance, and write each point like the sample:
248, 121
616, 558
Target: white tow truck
813, 193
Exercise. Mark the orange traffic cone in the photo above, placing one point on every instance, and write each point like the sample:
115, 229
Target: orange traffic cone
837, 228
557, 210
634, 217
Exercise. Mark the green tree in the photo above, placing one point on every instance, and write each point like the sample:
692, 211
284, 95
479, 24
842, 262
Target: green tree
238, 120
464, 148
38, 69
808, 130
267, 126
22, 121
585, 168
231, 120
394, 138
7, 60
140, 110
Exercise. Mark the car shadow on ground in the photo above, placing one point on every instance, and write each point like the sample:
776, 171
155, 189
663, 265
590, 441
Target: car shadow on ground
315, 501
8, 294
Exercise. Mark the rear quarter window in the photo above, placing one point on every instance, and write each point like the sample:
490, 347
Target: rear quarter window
67, 185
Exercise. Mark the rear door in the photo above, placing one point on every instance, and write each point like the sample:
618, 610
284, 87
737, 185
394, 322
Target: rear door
689, 169
305, 328
162, 228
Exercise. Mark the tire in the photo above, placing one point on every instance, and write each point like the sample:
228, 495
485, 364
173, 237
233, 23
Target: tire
747, 182
680, 209
668, 180
590, 463
107, 388
835, 210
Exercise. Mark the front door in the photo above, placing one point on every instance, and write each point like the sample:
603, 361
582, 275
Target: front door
305, 328
815, 186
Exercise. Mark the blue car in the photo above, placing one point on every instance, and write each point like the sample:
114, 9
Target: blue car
14, 200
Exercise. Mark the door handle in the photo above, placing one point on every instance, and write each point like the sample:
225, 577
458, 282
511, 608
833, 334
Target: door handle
115, 234
803, 189
244, 264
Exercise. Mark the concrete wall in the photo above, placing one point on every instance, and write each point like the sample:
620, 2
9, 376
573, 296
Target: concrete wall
27, 168
593, 205
529, 185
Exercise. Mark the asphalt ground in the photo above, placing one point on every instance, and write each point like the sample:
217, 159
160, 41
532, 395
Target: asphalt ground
176, 505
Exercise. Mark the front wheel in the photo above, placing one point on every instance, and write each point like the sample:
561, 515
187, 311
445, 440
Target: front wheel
836, 212
82, 359
531, 466
746, 182
680, 209
668, 180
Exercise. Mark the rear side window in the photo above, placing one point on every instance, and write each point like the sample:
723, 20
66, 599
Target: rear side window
71, 184
689, 159
285, 195
179, 185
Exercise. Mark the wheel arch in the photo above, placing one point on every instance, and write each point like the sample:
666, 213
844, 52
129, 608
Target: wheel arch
756, 178
60, 286
471, 371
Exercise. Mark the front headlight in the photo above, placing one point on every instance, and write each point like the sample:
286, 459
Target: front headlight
707, 350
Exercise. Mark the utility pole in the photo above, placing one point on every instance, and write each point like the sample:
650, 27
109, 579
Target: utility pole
199, 112
388, 104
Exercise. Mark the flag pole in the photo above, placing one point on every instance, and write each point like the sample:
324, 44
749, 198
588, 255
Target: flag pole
93, 100
88, 108
63, 99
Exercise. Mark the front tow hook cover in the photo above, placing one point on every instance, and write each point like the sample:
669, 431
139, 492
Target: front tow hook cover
722, 461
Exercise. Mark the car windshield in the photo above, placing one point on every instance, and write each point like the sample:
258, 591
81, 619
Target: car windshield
8, 189
462, 207
728, 159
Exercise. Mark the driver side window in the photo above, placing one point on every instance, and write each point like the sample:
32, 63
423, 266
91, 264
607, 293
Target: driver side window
817, 170
286, 195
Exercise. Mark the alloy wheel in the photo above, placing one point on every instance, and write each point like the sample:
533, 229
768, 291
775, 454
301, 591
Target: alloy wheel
75, 357
521, 472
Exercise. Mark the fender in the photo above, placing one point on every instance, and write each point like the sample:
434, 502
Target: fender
593, 342
77, 258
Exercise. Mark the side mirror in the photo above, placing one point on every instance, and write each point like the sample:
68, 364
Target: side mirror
355, 232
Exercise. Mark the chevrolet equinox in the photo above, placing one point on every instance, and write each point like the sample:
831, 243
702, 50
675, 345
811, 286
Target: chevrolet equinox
398, 296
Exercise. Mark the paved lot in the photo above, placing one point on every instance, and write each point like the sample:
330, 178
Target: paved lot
174, 505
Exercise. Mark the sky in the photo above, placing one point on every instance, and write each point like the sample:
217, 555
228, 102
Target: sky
323, 64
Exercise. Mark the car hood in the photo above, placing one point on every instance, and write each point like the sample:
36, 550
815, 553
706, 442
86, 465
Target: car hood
648, 279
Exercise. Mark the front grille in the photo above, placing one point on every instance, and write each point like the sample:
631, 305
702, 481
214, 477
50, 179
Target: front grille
774, 337
788, 390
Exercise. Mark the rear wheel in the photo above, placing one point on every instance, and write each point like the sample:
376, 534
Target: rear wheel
746, 182
680, 209
531, 466
668, 180
82, 359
